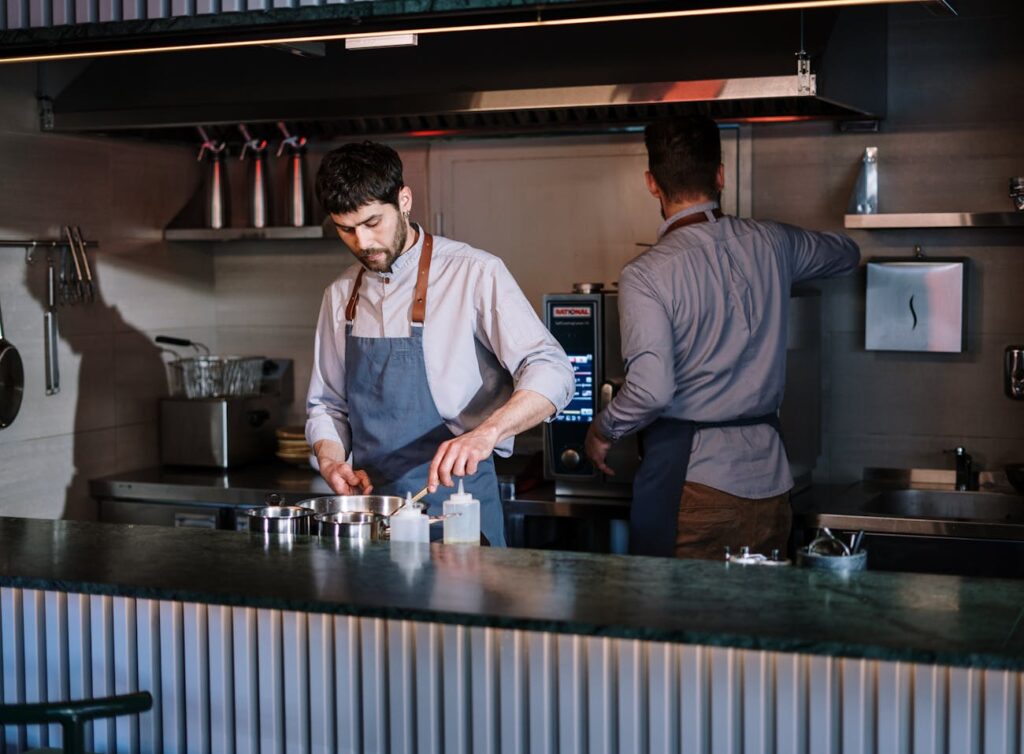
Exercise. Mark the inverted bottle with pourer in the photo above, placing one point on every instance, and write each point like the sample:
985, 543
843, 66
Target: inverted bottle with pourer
298, 198
462, 518
216, 209
255, 150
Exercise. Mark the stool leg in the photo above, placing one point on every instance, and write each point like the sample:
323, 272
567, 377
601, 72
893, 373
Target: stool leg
74, 736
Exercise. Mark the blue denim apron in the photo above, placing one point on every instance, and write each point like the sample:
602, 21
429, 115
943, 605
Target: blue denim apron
665, 447
396, 428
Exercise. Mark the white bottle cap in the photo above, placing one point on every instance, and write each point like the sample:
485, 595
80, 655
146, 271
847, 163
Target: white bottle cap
461, 496
408, 508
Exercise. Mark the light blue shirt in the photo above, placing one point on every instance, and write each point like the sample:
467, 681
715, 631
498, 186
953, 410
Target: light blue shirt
481, 339
704, 315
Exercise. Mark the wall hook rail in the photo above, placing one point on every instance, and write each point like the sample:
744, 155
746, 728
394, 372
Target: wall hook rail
31, 245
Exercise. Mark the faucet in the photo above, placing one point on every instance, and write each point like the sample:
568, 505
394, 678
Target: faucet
964, 469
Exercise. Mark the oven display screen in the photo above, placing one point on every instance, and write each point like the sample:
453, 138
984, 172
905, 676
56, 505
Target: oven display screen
581, 407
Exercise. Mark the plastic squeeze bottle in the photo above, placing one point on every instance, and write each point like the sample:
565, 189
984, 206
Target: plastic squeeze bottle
409, 524
462, 525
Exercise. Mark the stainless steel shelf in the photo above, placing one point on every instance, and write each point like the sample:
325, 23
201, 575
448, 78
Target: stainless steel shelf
285, 233
935, 220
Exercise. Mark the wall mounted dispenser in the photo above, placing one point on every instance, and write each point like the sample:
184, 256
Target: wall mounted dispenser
916, 305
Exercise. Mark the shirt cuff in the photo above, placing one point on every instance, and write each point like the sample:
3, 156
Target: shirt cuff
551, 386
323, 428
605, 425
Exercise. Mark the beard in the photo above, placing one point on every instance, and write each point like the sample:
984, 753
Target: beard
389, 253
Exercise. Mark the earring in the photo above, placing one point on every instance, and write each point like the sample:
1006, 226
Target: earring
405, 214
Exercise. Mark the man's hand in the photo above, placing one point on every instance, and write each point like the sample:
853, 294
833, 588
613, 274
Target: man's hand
340, 476
597, 446
460, 456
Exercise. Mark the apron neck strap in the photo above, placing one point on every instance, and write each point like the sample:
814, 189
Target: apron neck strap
419, 302
350, 309
696, 217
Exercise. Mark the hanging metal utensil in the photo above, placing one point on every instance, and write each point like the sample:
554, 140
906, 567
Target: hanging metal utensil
12, 380
75, 286
50, 335
90, 288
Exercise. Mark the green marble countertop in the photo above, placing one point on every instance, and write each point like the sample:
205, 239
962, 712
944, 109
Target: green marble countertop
891, 616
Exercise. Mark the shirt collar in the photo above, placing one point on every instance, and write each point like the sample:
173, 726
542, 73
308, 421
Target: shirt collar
692, 210
410, 257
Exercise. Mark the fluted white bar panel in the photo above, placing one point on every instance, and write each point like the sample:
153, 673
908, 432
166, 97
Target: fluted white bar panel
126, 669
221, 670
56, 647
270, 670
246, 680
101, 618
260, 681
429, 688
172, 676
296, 658
35, 660
147, 633
457, 694
321, 683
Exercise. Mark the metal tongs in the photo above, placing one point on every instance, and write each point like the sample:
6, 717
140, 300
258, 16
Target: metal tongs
827, 543
76, 281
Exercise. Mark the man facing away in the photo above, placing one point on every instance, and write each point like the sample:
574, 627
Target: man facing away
703, 316
428, 358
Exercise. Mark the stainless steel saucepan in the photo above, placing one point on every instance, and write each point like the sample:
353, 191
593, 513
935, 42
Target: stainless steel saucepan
280, 519
379, 505
360, 526
12, 380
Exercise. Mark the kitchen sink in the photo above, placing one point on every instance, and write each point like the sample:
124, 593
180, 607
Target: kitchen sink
947, 504
927, 527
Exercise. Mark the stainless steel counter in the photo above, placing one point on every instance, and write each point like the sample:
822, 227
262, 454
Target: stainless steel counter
210, 498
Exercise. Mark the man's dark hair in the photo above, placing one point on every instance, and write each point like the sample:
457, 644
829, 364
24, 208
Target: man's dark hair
356, 174
683, 155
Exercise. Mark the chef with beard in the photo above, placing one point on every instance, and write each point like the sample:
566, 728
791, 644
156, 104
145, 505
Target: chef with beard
428, 358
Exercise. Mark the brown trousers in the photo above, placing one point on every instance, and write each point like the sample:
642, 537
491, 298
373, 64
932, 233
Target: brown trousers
711, 520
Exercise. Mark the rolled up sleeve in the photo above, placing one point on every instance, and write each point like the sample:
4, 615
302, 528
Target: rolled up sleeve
647, 348
515, 334
326, 403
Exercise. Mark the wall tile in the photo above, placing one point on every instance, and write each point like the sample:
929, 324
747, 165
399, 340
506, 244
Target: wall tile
294, 343
276, 287
48, 477
86, 398
122, 194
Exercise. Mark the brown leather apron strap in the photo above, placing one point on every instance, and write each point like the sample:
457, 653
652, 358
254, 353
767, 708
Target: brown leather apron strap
696, 217
419, 302
350, 309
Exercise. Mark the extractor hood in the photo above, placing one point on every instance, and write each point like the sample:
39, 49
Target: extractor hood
574, 79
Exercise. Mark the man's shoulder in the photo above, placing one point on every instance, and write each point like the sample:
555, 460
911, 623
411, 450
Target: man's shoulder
459, 252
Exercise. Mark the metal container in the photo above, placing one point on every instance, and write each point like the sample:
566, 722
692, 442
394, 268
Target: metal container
858, 561
280, 519
380, 505
1013, 372
218, 432
361, 526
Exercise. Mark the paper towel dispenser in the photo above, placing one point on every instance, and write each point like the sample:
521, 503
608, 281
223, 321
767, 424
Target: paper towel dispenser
916, 305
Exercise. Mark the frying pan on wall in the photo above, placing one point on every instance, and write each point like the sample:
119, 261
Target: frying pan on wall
12, 379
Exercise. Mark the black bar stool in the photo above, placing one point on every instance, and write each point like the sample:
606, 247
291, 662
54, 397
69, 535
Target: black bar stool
73, 715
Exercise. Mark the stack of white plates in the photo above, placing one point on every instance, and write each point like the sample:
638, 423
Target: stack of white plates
292, 446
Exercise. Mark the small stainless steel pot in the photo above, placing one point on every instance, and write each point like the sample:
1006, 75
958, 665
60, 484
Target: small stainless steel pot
280, 519
361, 526
380, 505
